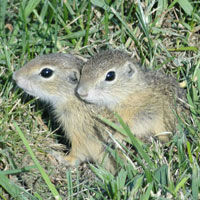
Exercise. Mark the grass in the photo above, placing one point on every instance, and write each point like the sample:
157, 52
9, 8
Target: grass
161, 34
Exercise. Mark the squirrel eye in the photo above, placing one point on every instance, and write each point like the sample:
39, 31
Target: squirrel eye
110, 76
46, 73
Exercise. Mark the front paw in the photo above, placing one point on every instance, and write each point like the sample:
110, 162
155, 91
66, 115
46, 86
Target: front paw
68, 161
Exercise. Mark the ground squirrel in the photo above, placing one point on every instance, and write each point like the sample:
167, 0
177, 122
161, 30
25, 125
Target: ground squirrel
53, 78
146, 100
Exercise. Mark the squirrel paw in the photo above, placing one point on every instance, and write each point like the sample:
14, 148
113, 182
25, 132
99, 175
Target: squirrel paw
69, 160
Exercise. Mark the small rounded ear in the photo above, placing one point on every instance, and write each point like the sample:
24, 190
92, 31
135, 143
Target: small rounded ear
130, 69
73, 76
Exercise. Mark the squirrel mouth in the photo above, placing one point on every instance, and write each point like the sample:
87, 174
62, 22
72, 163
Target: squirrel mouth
29, 92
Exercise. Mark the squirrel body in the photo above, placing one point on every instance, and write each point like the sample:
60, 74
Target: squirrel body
53, 78
146, 100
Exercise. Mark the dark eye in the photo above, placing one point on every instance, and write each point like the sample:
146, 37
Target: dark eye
46, 73
110, 76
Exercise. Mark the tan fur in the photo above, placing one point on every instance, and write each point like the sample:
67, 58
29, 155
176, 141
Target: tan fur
146, 100
87, 135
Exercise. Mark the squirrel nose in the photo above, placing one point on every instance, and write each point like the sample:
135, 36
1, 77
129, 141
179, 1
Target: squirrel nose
82, 92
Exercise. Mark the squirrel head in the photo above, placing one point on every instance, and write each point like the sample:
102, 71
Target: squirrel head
107, 78
51, 77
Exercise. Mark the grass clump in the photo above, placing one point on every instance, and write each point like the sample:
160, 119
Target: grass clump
161, 34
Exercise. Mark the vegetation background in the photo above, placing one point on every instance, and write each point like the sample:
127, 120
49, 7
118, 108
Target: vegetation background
162, 34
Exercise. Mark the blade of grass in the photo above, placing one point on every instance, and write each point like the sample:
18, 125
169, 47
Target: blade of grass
3, 6
7, 54
38, 196
148, 192
181, 184
186, 6
79, 34
189, 152
135, 143
30, 7
69, 8
130, 33
106, 24
15, 191
44, 10
162, 7
103, 5
42, 171
122, 149
144, 25
100, 3
62, 22
161, 175
18, 171
132, 140
191, 48
69, 185
89, 12
137, 185
172, 4
195, 181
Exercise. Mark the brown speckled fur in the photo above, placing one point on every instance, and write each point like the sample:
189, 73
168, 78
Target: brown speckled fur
146, 100
87, 135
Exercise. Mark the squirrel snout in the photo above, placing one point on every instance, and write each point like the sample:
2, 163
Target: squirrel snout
82, 92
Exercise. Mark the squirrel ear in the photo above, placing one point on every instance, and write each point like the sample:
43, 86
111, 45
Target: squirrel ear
130, 68
73, 77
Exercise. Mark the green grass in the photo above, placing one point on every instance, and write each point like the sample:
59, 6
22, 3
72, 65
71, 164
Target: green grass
161, 34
